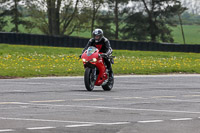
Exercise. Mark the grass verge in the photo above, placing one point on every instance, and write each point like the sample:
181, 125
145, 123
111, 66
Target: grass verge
33, 61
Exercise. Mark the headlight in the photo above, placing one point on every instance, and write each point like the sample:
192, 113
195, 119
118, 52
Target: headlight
84, 60
93, 60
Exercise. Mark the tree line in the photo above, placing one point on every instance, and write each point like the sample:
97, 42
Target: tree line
142, 20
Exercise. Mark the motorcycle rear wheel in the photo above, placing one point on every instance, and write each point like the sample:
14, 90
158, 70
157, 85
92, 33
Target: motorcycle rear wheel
89, 79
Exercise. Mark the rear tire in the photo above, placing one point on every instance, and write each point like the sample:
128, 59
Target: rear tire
89, 79
109, 85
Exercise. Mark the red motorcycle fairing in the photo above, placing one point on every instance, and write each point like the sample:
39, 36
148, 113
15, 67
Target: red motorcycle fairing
99, 65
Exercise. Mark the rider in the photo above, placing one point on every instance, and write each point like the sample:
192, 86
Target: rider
103, 44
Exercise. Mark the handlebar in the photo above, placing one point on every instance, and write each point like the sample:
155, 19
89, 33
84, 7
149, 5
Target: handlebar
103, 55
106, 56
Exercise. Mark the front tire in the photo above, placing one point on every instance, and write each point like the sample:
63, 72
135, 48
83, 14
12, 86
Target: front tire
89, 79
109, 85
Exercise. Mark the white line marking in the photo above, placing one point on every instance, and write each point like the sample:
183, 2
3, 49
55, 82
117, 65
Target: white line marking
7, 130
43, 120
114, 108
124, 98
117, 123
63, 121
96, 99
47, 101
162, 96
34, 83
180, 100
194, 92
67, 77
14, 108
21, 103
191, 95
40, 128
96, 95
8, 102
181, 119
170, 75
12, 103
121, 76
150, 121
82, 125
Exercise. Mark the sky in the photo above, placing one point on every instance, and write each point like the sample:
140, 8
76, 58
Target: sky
192, 5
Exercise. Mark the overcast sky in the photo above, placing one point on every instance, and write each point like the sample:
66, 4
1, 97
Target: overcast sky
192, 5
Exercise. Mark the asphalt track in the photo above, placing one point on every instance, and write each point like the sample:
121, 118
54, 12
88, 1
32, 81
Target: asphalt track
137, 104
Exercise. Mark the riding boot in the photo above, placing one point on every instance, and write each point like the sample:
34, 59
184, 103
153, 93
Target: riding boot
109, 67
110, 73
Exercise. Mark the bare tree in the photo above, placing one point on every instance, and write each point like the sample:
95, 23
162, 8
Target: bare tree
192, 5
96, 4
56, 16
116, 4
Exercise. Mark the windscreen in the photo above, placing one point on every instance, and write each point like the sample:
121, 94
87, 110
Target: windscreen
91, 50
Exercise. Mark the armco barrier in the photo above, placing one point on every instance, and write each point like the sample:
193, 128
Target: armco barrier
68, 41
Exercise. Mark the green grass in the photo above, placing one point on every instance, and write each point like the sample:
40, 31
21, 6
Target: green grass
192, 34
33, 61
85, 34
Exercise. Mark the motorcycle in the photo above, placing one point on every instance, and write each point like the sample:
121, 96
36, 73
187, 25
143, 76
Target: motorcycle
96, 72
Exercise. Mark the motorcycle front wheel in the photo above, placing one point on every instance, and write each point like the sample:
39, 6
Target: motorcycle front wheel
89, 79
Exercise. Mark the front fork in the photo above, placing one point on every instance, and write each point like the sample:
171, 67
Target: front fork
94, 76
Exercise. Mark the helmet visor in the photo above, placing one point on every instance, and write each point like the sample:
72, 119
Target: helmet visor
97, 37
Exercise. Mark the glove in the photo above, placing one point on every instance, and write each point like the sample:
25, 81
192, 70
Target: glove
104, 55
